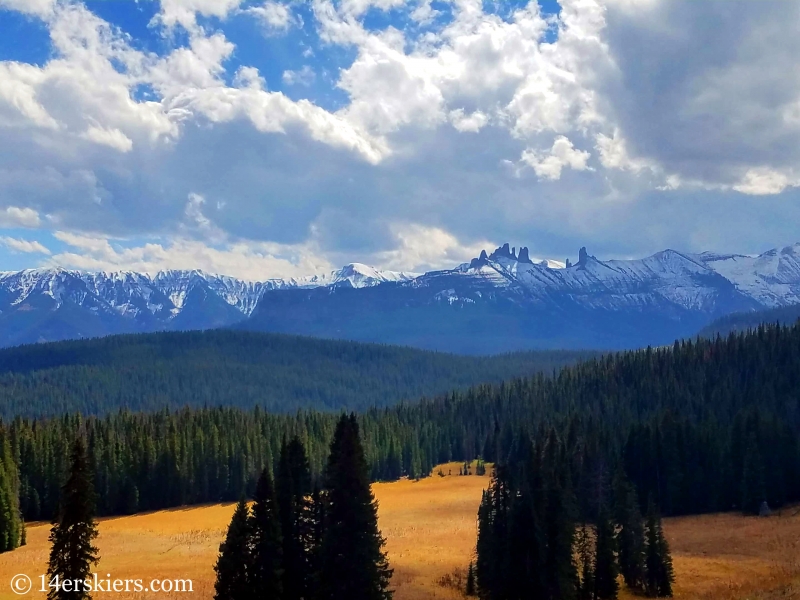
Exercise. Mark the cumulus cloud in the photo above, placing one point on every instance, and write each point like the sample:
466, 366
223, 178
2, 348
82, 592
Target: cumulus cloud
14, 216
254, 261
405, 132
304, 76
548, 165
25, 246
275, 17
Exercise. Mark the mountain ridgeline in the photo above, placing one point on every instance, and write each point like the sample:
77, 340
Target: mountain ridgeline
697, 426
739, 322
279, 373
497, 302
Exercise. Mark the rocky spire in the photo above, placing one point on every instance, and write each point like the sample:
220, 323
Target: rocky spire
523, 255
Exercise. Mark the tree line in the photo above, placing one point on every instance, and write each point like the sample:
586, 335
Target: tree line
704, 425
535, 540
298, 541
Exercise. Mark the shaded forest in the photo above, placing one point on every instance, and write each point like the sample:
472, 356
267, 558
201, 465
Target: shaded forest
701, 426
279, 373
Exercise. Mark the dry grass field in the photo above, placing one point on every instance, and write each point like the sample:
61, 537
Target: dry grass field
430, 530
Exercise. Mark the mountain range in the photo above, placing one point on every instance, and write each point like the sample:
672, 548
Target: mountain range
497, 302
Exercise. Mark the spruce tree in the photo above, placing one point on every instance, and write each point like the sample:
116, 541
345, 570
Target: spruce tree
11, 525
266, 549
470, 589
753, 488
293, 484
630, 538
72, 553
605, 560
353, 564
234, 554
660, 576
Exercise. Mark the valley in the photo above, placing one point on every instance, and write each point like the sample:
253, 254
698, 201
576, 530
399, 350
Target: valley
430, 530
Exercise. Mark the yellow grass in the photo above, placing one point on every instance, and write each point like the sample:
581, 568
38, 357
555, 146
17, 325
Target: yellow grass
430, 531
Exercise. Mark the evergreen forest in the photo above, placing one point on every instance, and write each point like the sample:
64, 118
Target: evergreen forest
704, 425
279, 373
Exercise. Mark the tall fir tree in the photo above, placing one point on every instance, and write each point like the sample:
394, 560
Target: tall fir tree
353, 563
605, 560
630, 537
266, 546
753, 488
233, 562
470, 588
660, 575
293, 484
72, 552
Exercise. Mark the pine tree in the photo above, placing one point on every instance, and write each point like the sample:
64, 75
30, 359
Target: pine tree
630, 538
605, 561
470, 588
293, 484
11, 526
265, 545
234, 553
353, 564
72, 553
753, 488
660, 576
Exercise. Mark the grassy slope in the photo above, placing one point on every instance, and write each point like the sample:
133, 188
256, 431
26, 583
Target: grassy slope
237, 368
430, 531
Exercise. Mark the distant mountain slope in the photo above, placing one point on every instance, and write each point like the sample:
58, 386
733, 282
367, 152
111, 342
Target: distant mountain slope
497, 302
40, 305
243, 369
740, 322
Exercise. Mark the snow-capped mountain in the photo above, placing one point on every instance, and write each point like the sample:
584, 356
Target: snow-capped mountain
497, 302
52, 304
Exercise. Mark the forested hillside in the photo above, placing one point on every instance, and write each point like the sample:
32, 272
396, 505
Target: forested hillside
700, 426
785, 315
279, 373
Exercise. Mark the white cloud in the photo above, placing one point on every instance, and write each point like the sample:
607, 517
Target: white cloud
113, 138
764, 181
14, 216
26, 246
468, 123
255, 261
562, 154
275, 17
304, 76
184, 12
613, 153
421, 248
39, 8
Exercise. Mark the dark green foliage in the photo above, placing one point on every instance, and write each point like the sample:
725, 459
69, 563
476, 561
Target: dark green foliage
280, 373
294, 494
676, 420
74, 530
232, 565
471, 588
266, 545
660, 576
605, 561
352, 561
630, 537
12, 527
753, 489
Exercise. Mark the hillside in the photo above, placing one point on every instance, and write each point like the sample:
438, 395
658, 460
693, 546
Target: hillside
738, 322
227, 368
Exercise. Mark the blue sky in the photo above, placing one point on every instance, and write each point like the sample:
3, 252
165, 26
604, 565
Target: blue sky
265, 138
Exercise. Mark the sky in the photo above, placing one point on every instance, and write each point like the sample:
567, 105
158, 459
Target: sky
280, 138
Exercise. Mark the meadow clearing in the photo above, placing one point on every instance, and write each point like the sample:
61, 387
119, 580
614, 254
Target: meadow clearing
430, 531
